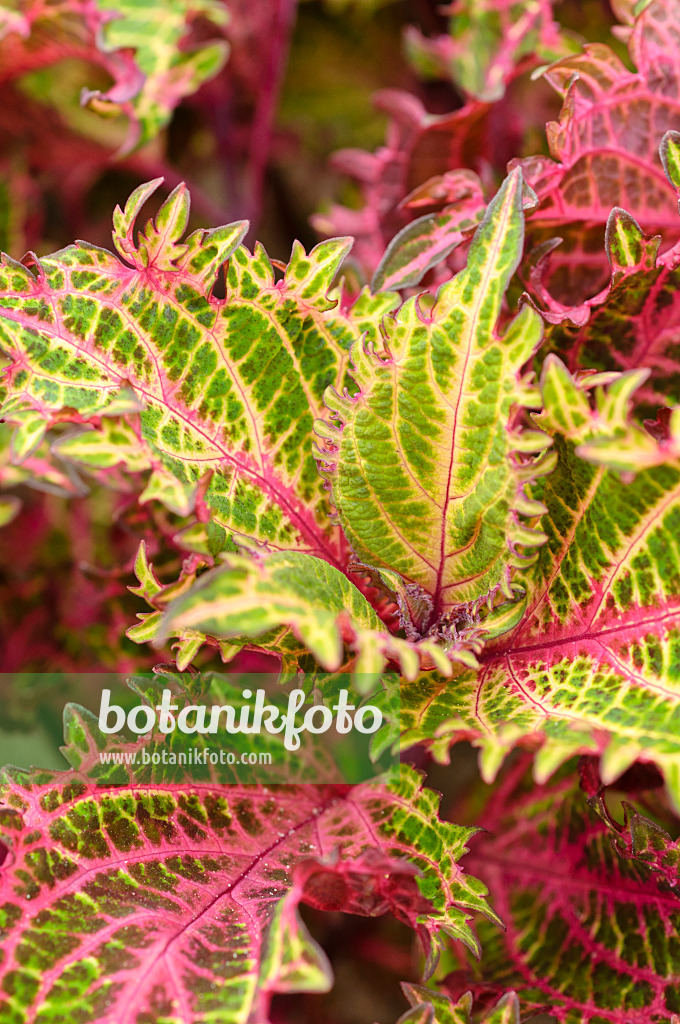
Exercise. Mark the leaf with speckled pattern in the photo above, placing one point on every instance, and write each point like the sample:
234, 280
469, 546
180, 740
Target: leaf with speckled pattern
636, 322
594, 663
228, 388
604, 147
259, 601
176, 904
192, 757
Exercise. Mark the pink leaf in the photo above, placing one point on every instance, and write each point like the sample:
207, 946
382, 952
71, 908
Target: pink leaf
591, 935
173, 901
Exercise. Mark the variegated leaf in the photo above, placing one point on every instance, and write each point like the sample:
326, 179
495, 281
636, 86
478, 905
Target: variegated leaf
193, 758
429, 1006
141, 46
247, 598
603, 430
426, 241
488, 41
39, 470
604, 147
594, 663
228, 387
173, 904
591, 936
637, 322
424, 466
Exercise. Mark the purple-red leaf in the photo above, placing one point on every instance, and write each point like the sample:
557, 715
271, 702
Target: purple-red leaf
591, 934
604, 147
179, 903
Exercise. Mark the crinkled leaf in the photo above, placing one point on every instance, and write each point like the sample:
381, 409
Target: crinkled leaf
228, 387
245, 598
591, 934
280, 641
636, 324
593, 664
180, 903
603, 430
422, 465
604, 146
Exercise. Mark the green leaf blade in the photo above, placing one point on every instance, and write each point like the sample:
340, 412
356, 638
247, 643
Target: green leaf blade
228, 387
420, 468
592, 666
255, 599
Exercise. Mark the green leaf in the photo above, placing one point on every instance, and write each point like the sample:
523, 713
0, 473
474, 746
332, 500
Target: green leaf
164, 486
670, 157
30, 429
39, 470
593, 665
144, 49
605, 434
10, 506
152, 626
628, 249
245, 598
228, 387
422, 465
428, 1006
114, 443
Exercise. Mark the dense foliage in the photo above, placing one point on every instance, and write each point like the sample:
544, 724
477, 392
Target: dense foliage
433, 454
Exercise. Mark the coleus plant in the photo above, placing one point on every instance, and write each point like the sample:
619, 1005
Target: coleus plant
54, 56
99, 84
478, 495
180, 901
